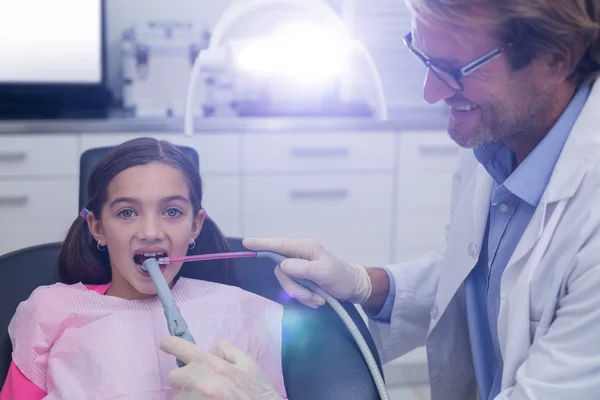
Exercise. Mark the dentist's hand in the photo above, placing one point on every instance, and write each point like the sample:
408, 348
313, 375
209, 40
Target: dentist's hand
226, 373
309, 260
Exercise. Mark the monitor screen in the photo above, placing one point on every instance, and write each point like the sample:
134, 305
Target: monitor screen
50, 41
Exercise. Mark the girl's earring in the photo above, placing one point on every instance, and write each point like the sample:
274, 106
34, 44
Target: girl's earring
192, 244
99, 246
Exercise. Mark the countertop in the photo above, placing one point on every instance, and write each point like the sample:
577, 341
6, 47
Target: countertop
410, 120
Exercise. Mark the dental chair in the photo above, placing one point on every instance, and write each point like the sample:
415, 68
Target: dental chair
320, 359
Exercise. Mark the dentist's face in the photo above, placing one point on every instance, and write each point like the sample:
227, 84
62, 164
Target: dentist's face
498, 103
147, 213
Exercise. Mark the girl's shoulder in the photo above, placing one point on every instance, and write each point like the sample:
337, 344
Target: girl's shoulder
37, 323
44, 297
50, 309
57, 295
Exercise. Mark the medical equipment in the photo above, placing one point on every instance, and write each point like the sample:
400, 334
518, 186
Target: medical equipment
301, 67
178, 327
152, 51
175, 321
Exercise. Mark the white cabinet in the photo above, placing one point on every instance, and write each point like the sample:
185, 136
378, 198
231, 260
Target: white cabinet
36, 212
38, 200
42, 155
348, 214
372, 197
426, 162
422, 150
318, 152
38, 188
335, 187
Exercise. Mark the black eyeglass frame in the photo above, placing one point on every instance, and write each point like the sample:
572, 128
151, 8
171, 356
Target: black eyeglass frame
453, 77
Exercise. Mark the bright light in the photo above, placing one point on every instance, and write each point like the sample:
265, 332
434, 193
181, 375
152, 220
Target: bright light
308, 53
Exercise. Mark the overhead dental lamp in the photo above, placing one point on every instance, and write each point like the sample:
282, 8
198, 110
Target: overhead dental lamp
298, 60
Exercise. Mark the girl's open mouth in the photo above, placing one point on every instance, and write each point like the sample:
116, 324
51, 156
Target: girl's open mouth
139, 259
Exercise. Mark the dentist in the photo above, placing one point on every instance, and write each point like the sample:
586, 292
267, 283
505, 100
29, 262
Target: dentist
510, 308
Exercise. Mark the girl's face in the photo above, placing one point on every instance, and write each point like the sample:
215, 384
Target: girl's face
147, 211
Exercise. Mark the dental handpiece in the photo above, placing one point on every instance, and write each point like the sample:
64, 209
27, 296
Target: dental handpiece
175, 321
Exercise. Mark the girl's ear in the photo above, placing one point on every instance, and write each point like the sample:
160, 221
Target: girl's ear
197, 224
95, 227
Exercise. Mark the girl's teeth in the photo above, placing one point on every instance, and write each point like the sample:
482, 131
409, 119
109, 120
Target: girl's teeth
467, 107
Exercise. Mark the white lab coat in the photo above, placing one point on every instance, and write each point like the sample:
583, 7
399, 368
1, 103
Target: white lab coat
549, 320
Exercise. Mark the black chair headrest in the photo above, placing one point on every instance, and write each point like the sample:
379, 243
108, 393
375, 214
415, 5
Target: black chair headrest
90, 158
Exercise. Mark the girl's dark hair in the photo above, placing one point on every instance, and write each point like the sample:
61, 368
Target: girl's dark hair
79, 258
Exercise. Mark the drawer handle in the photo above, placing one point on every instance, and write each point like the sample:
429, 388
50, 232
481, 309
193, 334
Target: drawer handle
13, 200
12, 157
326, 194
438, 150
331, 152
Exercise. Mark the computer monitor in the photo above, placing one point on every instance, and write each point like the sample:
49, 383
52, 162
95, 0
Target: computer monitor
52, 58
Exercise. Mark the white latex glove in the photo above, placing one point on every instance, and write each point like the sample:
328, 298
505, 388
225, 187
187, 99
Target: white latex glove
226, 373
309, 260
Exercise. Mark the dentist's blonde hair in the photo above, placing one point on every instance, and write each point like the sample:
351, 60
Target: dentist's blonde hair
533, 27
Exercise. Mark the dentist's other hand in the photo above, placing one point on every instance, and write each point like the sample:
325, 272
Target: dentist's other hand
226, 373
309, 260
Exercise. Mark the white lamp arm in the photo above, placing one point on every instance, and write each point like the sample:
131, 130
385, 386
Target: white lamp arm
381, 105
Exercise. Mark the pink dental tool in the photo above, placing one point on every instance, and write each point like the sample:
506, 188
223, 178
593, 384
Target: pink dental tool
207, 257
275, 257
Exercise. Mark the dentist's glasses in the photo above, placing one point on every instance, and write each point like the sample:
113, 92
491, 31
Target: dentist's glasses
452, 77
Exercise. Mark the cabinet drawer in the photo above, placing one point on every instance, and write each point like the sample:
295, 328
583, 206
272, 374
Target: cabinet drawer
427, 150
28, 232
221, 200
22, 200
350, 215
319, 151
425, 191
39, 155
217, 152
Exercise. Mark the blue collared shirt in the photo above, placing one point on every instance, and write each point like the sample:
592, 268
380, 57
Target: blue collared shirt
516, 194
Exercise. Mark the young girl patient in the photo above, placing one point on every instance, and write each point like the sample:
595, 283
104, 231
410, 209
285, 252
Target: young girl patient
96, 334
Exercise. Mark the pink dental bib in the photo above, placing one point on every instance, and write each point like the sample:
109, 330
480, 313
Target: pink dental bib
77, 344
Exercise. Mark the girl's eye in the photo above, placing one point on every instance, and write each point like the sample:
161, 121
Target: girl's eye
173, 212
126, 213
